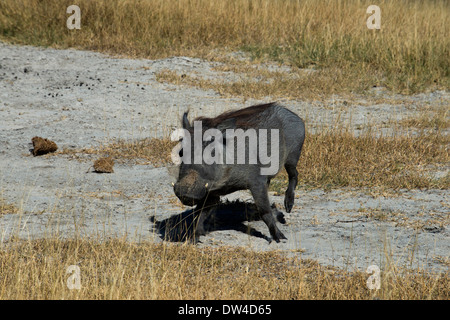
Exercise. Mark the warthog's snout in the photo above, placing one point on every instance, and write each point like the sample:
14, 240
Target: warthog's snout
190, 189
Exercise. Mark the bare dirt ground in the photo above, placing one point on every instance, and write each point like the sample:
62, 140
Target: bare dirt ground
83, 99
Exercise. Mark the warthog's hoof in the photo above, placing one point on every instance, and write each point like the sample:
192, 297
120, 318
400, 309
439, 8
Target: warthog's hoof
289, 201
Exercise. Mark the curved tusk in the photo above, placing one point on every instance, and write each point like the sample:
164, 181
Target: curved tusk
206, 185
173, 184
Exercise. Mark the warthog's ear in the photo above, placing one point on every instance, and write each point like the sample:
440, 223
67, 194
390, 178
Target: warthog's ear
185, 121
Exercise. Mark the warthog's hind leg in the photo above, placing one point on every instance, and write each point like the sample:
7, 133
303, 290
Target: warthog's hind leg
259, 192
290, 192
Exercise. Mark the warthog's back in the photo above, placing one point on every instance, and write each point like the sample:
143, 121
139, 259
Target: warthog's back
268, 116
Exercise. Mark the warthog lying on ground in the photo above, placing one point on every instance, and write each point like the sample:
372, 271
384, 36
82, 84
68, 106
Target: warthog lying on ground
225, 159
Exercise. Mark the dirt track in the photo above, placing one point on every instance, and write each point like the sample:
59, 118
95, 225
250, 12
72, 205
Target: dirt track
82, 99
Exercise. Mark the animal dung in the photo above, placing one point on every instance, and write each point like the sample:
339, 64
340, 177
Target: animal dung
104, 165
43, 146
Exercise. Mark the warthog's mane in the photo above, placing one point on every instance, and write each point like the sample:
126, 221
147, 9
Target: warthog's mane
244, 118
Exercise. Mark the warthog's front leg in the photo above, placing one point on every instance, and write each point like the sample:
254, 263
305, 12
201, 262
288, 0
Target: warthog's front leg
205, 207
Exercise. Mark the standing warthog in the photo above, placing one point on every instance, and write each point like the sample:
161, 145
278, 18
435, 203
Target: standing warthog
231, 152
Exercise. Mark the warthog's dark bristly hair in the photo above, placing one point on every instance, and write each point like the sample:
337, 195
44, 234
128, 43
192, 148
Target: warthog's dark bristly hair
244, 117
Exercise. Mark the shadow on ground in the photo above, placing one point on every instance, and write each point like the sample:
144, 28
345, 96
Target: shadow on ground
223, 216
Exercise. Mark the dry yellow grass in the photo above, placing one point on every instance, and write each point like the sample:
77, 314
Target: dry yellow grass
145, 151
436, 118
337, 157
409, 54
117, 269
258, 83
7, 208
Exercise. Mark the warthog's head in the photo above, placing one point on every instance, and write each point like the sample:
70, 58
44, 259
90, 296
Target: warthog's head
191, 187
196, 179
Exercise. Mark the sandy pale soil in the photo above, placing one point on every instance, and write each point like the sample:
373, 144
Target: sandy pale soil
83, 99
